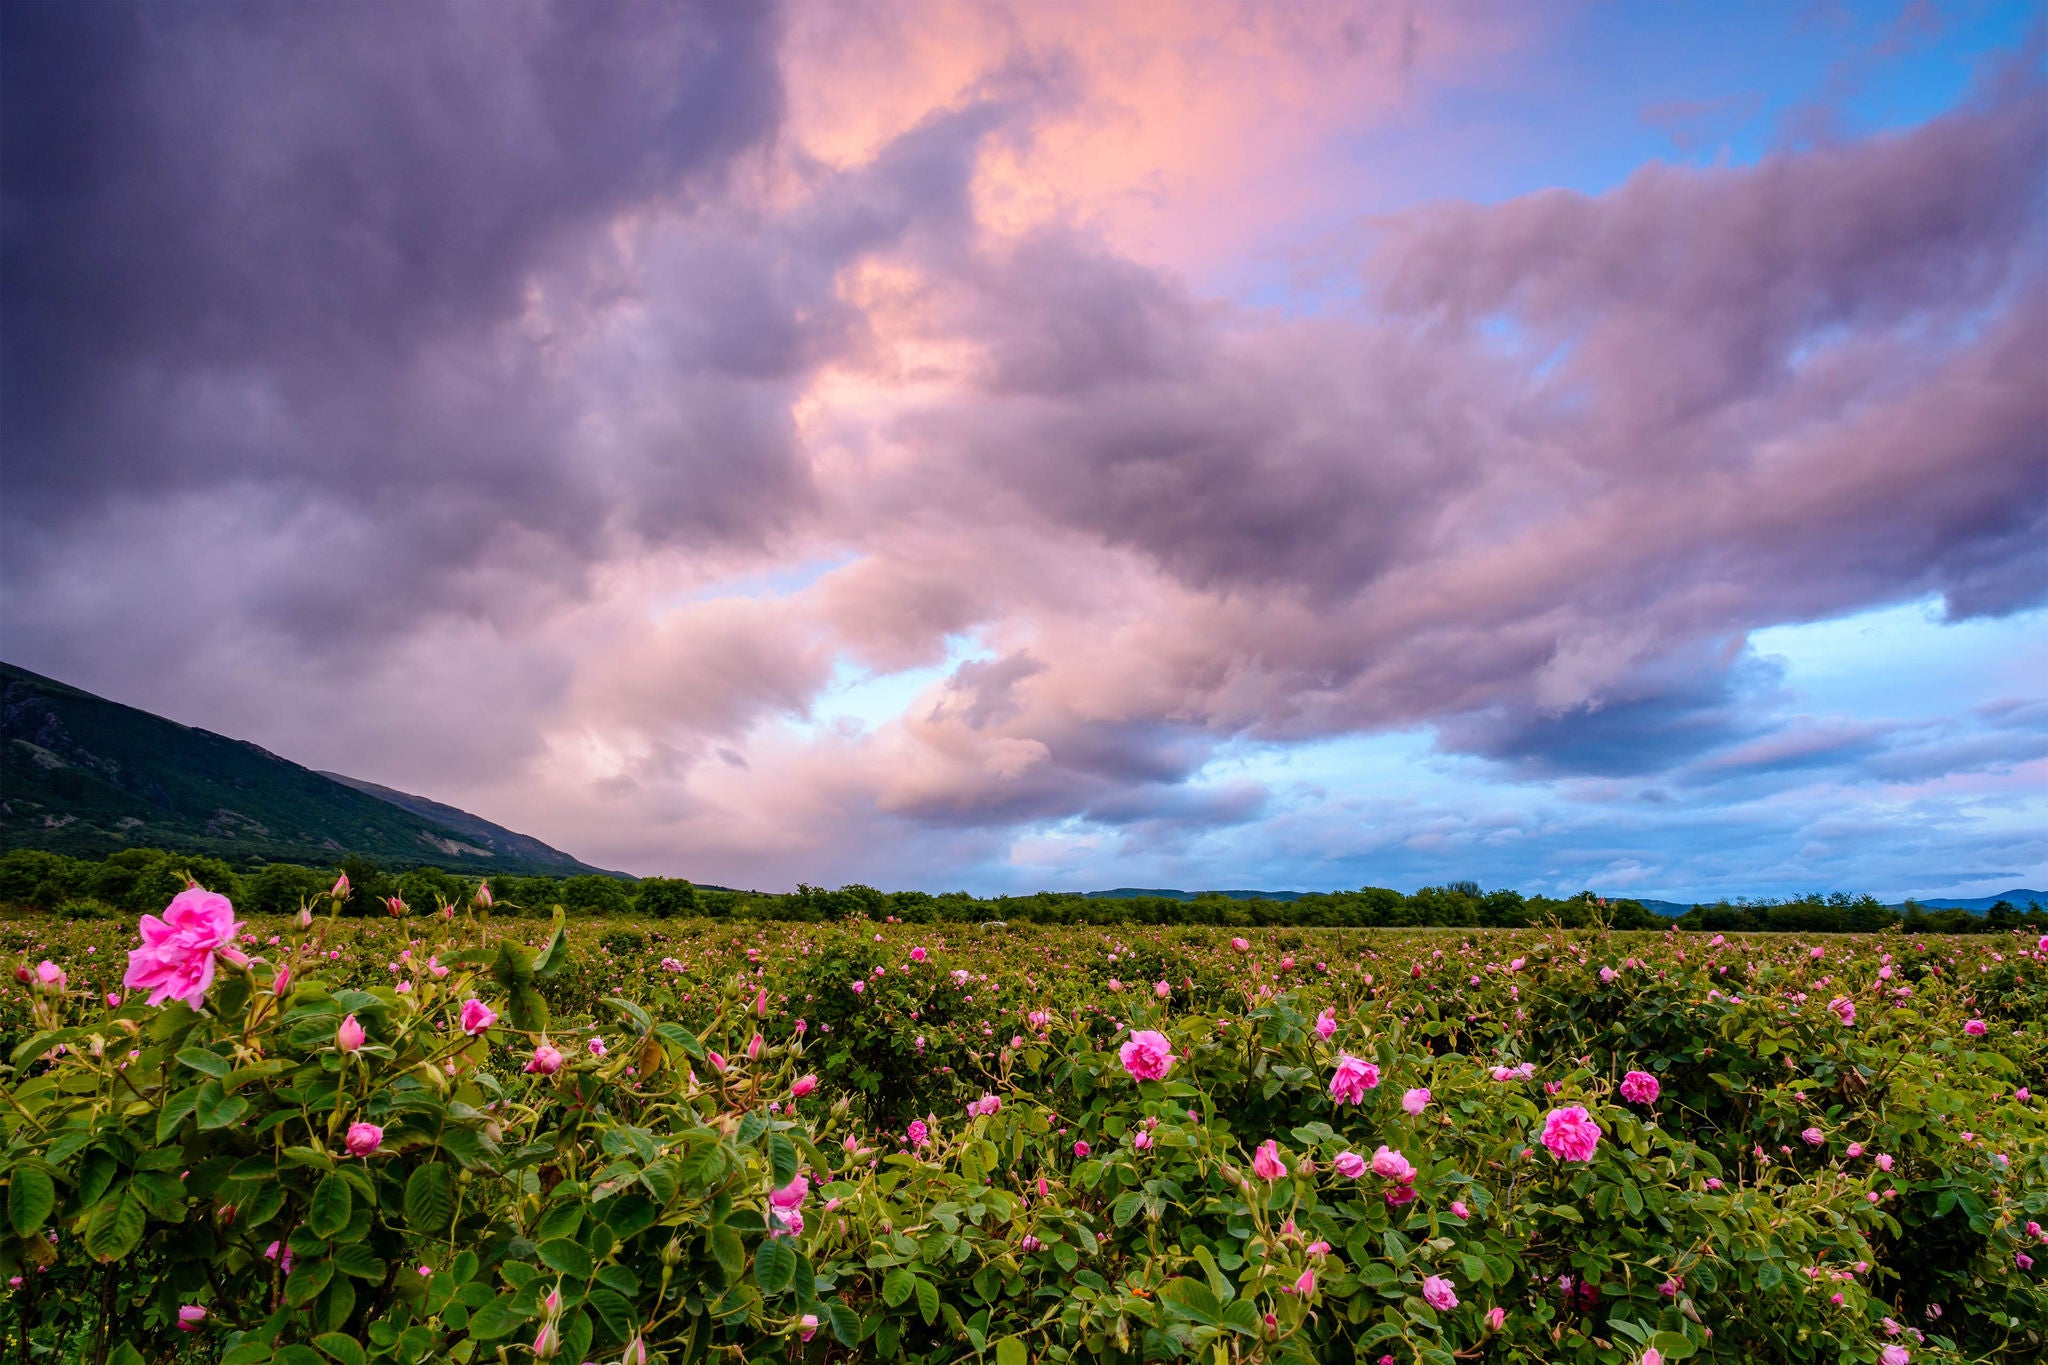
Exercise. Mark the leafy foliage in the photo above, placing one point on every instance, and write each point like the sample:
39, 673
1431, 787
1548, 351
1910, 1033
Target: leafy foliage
1800, 1188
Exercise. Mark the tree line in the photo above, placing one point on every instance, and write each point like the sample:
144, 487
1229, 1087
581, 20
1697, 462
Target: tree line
141, 880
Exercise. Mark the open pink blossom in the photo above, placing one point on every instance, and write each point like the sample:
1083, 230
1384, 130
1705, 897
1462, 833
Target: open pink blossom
364, 1138
1350, 1165
792, 1195
1326, 1024
175, 961
1244, 946
546, 1060
1439, 1293
477, 1016
1415, 1100
1640, 1087
1570, 1133
1391, 1165
1844, 1008
1352, 1079
1895, 1354
1975, 1028
1148, 1056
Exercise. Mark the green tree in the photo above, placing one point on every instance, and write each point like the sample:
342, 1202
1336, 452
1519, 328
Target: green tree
662, 897
596, 895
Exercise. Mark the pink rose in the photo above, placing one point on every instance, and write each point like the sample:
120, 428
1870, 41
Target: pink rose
1459, 1209
1148, 1055
1244, 947
191, 1318
546, 1061
1350, 1165
1439, 1293
1352, 1079
802, 1086
1081, 1149
917, 954
1266, 1162
597, 1048
175, 961
1570, 1133
1391, 1165
1895, 1354
476, 1016
364, 1138
50, 974
1844, 1008
1975, 1028
1326, 1024
1640, 1087
1416, 1100
1813, 1137
1496, 1317
792, 1195
350, 1037
1306, 1285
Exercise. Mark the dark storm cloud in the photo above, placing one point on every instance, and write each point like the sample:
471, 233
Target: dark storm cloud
276, 255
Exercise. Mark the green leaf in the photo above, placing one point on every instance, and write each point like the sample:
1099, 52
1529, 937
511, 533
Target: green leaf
781, 1158
553, 955
1242, 1317
927, 1301
114, 1228
328, 1212
428, 1197
342, 1347
358, 1260
1192, 1299
845, 1324
125, 1354
774, 1265
212, 1063
1674, 1345
567, 1257
217, 1108
898, 1285
613, 1310
1010, 1351
174, 1112
559, 1221
31, 1194
498, 1318
526, 1010
306, 1281
296, 1355
727, 1247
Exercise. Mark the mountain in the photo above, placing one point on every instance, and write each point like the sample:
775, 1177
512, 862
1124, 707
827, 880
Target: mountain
1125, 893
2020, 898
86, 776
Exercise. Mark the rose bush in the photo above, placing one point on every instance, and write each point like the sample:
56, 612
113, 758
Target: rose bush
359, 1145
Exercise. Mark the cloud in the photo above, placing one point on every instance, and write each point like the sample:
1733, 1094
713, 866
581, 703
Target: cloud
479, 375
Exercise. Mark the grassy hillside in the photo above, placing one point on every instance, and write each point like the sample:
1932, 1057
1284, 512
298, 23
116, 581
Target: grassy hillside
85, 776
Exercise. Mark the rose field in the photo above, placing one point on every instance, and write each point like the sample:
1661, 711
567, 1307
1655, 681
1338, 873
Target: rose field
474, 1137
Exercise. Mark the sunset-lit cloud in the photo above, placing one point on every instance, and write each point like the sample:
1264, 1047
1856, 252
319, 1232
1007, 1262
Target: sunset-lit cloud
1045, 445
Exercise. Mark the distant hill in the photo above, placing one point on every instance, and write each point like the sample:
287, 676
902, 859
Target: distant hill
86, 776
2020, 898
1125, 893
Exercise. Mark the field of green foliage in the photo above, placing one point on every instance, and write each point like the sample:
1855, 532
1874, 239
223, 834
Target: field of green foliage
473, 1137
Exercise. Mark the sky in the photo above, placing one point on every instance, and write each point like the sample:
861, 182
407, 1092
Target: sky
1061, 445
